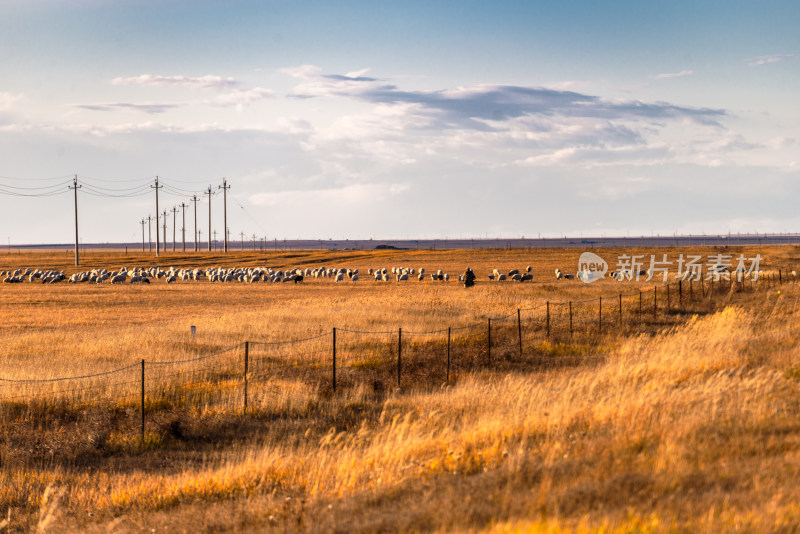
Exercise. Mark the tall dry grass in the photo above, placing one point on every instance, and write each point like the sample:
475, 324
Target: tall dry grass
691, 429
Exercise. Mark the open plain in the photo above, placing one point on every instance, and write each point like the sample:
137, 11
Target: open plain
679, 419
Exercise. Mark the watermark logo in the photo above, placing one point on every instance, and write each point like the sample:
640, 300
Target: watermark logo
591, 267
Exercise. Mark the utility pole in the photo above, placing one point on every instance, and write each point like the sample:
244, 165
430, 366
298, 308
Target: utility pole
195, 200
165, 230
174, 226
183, 227
242, 235
75, 188
157, 187
209, 193
254, 241
150, 234
142, 223
215, 240
225, 188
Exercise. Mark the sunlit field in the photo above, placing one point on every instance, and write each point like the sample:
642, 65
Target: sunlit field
673, 414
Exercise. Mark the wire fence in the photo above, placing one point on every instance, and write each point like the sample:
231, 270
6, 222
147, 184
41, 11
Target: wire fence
251, 375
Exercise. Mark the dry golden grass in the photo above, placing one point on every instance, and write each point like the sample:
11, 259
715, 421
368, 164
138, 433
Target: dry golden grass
691, 426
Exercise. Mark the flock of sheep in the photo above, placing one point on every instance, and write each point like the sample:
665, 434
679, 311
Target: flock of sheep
268, 274
139, 275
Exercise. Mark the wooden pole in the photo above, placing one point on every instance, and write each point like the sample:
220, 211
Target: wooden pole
448, 354
655, 302
142, 402
399, 353
548, 319
600, 316
570, 318
246, 364
489, 343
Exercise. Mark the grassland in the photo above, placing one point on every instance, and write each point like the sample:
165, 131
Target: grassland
683, 423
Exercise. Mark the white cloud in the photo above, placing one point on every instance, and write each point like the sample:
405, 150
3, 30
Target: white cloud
674, 74
202, 82
9, 100
346, 196
772, 58
241, 97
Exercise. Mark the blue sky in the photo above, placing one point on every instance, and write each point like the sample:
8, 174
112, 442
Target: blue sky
413, 119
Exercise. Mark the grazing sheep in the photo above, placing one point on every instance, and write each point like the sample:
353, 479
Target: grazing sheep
354, 279
527, 277
339, 277
516, 277
529, 268
512, 272
120, 278
502, 277
569, 277
446, 277
421, 277
559, 274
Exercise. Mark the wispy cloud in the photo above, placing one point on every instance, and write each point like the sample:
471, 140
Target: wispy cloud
8, 100
353, 194
674, 74
203, 82
241, 97
772, 58
471, 106
148, 108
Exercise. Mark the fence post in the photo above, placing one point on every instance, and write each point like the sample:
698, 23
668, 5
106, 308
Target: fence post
640, 305
600, 316
448, 354
399, 353
548, 319
334, 359
570, 318
519, 332
489, 344
246, 364
142, 402
655, 302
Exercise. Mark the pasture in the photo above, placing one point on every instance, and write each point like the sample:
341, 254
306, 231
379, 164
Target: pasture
684, 420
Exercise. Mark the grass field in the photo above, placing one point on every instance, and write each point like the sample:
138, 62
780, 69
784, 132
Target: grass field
686, 422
